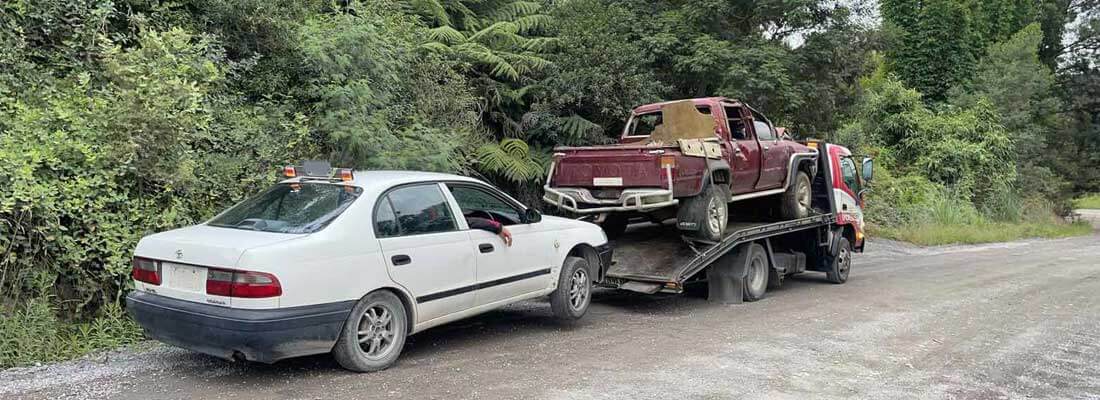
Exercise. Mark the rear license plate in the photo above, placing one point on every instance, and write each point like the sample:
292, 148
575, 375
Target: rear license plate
616, 181
185, 277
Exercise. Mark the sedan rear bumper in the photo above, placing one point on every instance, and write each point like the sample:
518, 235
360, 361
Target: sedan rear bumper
256, 335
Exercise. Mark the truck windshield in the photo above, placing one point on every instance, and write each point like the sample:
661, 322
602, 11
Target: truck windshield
290, 208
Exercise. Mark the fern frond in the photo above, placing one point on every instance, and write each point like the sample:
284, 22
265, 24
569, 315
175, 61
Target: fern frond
505, 32
436, 47
499, 66
446, 35
533, 23
514, 10
433, 10
511, 158
541, 44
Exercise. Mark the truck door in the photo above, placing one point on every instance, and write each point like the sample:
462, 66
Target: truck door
744, 152
773, 158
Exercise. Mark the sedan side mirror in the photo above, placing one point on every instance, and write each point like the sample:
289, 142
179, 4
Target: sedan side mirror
868, 168
531, 216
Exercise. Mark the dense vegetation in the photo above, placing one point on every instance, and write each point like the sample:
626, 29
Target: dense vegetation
121, 118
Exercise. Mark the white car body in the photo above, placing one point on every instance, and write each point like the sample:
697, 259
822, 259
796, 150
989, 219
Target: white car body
448, 278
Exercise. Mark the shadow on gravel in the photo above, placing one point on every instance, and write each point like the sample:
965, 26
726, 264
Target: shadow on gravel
489, 330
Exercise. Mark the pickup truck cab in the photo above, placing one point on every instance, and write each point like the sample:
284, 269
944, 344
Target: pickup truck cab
353, 262
688, 159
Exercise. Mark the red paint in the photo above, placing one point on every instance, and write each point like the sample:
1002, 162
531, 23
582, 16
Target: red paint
755, 165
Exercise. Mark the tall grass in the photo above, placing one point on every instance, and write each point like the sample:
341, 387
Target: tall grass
944, 219
32, 333
1090, 201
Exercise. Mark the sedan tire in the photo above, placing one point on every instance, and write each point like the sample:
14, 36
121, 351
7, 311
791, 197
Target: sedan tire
373, 334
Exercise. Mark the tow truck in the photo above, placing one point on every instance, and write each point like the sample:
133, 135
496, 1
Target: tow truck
755, 252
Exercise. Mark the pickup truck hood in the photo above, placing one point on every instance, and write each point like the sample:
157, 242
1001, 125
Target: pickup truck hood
613, 166
206, 245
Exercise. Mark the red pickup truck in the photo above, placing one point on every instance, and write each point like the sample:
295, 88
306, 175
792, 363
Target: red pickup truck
688, 159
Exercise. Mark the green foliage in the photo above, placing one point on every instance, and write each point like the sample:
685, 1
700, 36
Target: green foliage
1090, 201
941, 234
936, 46
33, 334
511, 159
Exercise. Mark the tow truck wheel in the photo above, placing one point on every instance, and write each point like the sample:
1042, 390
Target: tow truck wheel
797, 198
373, 334
840, 264
756, 273
705, 215
574, 293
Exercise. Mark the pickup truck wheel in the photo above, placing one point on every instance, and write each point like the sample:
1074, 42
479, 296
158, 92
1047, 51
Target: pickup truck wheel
705, 215
797, 198
373, 334
841, 263
756, 273
615, 225
574, 293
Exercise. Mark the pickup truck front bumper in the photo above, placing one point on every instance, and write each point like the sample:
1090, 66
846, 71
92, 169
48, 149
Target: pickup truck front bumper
581, 200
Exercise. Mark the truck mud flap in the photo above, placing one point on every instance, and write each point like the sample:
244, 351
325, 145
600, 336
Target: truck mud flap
726, 279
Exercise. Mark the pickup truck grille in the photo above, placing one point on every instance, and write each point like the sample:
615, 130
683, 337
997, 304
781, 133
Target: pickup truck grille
607, 194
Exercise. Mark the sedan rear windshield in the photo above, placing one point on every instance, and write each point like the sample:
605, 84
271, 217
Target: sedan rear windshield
290, 208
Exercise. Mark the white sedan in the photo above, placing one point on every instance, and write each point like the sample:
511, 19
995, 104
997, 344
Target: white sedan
352, 263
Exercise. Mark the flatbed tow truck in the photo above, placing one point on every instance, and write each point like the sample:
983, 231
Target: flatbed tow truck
756, 252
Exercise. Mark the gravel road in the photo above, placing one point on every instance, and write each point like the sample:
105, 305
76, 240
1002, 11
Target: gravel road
1005, 321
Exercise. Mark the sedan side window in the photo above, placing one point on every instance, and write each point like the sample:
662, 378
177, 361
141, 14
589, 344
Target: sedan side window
479, 203
416, 209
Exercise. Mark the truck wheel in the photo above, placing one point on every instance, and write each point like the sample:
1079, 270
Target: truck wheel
373, 334
574, 293
797, 198
841, 263
615, 225
756, 272
705, 215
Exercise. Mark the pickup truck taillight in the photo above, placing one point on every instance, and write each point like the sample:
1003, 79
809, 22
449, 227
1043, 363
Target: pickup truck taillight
244, 284
146, 270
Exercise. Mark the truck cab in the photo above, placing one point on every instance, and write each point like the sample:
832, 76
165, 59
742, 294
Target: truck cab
685, 159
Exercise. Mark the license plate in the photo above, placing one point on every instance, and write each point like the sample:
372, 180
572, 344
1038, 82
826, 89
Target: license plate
616, 181
185, 277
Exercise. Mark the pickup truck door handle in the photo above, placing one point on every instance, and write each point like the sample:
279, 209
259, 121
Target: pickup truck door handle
736, 149
401, 259
766, 147
485, 248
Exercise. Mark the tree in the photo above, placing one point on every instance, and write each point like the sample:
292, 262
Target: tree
935, 45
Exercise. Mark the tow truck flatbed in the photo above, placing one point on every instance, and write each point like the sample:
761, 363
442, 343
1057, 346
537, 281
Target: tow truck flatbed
654, 257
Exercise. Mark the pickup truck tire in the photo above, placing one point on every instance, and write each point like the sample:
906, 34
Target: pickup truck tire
570, 300
840, 264
615, 225
797, 198
756, 272
373, 334
705, 215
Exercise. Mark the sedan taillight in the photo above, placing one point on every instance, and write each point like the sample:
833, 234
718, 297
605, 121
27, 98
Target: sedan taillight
146, 270
243, 284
